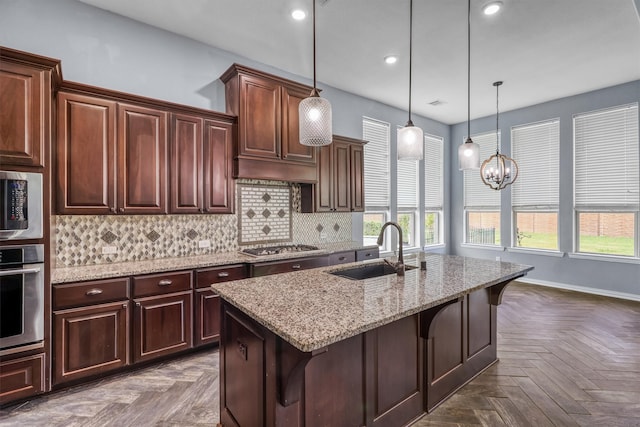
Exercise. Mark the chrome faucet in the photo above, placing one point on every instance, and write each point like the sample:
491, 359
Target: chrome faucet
398, 266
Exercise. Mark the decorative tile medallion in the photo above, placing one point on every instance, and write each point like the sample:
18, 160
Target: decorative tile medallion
265, 227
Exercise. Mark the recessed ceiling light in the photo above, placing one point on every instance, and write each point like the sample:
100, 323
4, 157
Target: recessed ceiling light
391, 59
492, 8
298, 14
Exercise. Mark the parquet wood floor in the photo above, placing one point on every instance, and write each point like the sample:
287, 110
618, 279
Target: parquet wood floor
566, 359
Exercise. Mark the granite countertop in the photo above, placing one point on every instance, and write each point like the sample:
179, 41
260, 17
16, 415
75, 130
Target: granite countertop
120, 269
312, 309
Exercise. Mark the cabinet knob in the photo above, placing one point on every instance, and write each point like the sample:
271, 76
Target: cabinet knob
112, 209
137, 304
94, 291
164, 282
124, 305
121, 210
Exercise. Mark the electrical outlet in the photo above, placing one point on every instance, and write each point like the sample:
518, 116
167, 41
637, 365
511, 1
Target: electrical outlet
109, 250
204, 244
498, 258
323, 235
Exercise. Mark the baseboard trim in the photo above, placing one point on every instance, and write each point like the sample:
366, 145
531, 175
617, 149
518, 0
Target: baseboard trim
584, 289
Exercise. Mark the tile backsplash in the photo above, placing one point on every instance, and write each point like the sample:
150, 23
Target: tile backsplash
267, 213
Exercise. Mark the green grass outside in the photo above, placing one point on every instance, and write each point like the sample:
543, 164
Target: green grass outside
590, 244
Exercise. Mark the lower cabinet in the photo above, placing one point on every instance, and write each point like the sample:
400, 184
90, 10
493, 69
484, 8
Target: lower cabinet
162, 314
161, 325
21, 378
90, 340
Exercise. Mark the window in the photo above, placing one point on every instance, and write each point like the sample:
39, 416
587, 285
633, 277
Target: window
433, 189
535, 194
607, 181
376, 178
481, 203
408, 200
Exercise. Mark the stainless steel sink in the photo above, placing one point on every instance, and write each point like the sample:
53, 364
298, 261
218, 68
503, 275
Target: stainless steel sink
368, 271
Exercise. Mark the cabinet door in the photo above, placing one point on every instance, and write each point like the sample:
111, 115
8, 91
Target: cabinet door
207, 317
162, 325
341, 177
21, 378
292, 150
357, 177
186, 164
218, 194
259, 126
90, 340
142, 160
324, 187
24, 93
85, 160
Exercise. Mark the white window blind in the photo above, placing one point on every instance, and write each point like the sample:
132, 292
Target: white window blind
376, 163
536, 148
607, 159
433, 172
476, 194
407, 184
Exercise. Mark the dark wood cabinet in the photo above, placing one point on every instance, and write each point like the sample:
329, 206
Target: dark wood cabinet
201, 165
142, 160
22, 378
340, 183
207, 302
86, 155
91, 328
268, 145
26, 86
111, 157
162, 315
266, 268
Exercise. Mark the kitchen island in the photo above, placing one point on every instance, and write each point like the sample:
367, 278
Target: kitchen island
314, 348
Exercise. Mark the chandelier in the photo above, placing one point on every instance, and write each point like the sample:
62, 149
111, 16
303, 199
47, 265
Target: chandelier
498, 171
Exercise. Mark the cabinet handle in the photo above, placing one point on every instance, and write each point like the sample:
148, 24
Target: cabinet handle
164, 282
368, 254
223, 274
296, 266
342, 258
94, 291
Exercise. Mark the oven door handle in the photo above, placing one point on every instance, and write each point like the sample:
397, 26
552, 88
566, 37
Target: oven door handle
20, 271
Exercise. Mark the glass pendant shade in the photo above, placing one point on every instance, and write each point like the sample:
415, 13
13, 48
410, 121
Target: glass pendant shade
315, 121
410, 143
469, 155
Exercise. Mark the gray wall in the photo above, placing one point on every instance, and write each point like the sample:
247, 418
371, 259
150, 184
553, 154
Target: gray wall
609, 276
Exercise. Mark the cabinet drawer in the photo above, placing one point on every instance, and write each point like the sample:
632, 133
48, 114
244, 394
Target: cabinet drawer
21, 378
165, 283
205, 277
342, 257
364, 254
89, 293
275, 267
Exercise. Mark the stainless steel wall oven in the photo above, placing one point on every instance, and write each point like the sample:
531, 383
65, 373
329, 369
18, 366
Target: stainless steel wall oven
21, 295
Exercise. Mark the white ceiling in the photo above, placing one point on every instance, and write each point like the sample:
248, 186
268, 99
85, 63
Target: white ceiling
541, 49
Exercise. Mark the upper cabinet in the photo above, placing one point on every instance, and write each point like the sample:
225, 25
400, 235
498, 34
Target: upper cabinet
121, 154
111, 157
268, 145
340, 185
26, 85
201, 155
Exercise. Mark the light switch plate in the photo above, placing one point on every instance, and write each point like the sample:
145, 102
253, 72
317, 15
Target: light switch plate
323, 234
204, 243
109, 250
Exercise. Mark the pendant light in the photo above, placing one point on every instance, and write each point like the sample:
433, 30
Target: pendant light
315, 112
410, 137
498, 171
469, 151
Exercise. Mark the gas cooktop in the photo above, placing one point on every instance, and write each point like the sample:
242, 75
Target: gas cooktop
281, 249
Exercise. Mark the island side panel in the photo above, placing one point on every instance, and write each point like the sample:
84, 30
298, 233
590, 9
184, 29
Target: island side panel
461, 340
